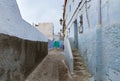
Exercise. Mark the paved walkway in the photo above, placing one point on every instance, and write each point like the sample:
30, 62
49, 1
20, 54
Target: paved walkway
53, 68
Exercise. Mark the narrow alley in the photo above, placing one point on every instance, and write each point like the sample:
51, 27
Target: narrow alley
54, 68
59, 40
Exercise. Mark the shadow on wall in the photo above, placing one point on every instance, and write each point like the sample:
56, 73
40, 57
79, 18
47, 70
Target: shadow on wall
19, 57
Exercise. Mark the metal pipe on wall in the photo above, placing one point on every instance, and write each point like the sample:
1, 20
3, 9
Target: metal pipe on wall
99, 13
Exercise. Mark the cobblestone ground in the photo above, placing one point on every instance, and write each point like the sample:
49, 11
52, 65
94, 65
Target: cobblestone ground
53, 68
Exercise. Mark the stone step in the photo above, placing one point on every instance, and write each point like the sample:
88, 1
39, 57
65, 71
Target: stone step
76, 55
78, 63
77, 59
79, 68
74, 50
83, 72
78, 72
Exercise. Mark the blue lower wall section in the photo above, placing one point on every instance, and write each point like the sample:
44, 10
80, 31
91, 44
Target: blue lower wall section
111, 50
100, 45
50, 44
100, 49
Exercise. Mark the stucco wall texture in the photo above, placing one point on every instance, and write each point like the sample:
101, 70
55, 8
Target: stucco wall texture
19, 57
99, 44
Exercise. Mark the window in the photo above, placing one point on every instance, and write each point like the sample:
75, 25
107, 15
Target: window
81, 24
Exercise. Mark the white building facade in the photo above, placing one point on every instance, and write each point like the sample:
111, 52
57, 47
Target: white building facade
47, 29
94, 29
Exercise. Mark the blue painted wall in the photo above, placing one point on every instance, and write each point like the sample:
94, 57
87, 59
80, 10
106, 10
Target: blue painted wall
99, 44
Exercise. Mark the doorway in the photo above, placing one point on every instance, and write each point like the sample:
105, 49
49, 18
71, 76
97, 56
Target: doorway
76, 34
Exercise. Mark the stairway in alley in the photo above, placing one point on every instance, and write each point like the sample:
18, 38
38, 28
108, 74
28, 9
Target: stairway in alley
80, 69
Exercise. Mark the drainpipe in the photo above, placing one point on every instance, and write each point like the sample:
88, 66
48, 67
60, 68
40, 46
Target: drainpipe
99, 45
99, 13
